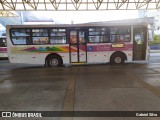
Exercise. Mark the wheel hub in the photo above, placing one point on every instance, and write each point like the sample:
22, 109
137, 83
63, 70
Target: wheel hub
54, 62
118, 59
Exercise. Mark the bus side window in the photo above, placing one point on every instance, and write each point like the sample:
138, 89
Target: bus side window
58, 36
28, 40
98, 35
120, 34
20, 36
112, 38
2, 43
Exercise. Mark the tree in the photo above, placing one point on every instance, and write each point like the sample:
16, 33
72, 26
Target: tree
156, 40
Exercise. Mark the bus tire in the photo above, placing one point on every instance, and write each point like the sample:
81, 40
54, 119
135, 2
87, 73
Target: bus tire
117, 58
54, 61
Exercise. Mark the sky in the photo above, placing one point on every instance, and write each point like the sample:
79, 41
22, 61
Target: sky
87, 16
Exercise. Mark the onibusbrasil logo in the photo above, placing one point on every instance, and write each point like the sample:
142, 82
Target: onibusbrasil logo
21, 114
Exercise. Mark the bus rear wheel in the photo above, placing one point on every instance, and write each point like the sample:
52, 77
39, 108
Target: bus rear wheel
117, 59
54, 61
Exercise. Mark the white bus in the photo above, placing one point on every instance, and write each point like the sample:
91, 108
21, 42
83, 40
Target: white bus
3, 47
54, 45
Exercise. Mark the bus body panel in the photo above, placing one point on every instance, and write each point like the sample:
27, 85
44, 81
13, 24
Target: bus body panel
75, 52
37, 54
22, 55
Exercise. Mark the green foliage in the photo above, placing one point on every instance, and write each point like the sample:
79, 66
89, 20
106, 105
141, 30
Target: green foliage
156, 40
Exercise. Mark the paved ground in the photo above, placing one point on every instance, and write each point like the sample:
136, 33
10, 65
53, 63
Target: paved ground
129, 87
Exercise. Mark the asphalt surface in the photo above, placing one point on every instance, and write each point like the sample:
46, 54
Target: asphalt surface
100, 87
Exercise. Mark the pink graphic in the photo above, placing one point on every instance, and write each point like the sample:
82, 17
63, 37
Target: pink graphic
82, 48
3, 50
101, 48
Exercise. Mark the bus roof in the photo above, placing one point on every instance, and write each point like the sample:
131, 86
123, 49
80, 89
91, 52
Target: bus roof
139, 21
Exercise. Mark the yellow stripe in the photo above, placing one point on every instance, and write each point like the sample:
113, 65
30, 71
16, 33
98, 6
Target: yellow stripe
77, 63
69, 98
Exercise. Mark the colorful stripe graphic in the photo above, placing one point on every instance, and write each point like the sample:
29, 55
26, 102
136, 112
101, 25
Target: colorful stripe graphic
47, 49
73, 48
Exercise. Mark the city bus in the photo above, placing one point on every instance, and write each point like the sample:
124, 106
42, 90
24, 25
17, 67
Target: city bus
115, 42
3, 47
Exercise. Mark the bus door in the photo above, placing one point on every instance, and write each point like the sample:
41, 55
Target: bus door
139, 43
77, 48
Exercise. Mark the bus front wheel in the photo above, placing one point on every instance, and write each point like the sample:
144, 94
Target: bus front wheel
54, 61
117, 59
